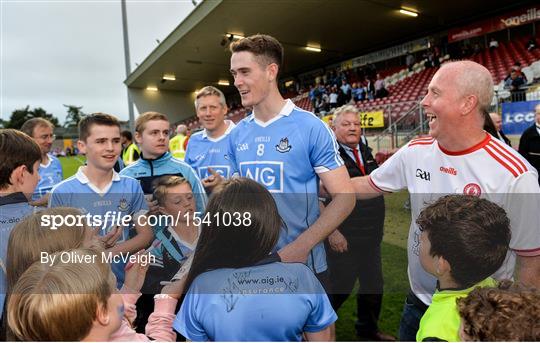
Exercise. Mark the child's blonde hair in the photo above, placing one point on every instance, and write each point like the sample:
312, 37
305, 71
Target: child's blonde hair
29, 239
60, 302
163, 183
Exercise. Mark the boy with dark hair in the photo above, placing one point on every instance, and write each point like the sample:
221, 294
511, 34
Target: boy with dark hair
50, 169
97, 189
464, 240
19, 163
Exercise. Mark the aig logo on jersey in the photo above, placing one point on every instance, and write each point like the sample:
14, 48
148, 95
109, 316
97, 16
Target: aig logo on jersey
422, 174
221, 170
267, 173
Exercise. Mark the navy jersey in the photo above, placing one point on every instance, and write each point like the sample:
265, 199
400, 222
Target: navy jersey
13, 209
146, 171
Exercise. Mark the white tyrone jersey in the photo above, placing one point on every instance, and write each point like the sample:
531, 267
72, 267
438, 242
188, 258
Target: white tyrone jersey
490, 169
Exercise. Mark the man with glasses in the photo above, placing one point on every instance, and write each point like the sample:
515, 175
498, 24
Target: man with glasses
50, 169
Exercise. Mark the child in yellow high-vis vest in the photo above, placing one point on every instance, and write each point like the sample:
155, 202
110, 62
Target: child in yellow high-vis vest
464, 241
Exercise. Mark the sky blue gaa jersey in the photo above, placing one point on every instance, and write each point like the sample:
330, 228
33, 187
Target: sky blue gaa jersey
50, 175
147, 171
204, 151
13, 209
269, 302
285, 155
122, 197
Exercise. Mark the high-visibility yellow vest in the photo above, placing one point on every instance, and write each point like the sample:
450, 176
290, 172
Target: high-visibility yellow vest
129, 156
176, 146
441, 319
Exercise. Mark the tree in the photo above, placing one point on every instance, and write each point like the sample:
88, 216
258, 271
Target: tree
74, 115
18, 117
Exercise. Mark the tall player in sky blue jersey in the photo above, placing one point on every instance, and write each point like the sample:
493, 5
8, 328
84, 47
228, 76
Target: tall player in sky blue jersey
96, 189
50, 169
287, 150
208, 148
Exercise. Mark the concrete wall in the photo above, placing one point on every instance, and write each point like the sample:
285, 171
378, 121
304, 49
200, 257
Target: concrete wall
176, 105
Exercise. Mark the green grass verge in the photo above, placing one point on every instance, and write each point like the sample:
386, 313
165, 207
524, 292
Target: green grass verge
71, 164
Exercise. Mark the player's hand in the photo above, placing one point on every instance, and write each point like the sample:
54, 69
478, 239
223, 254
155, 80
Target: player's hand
110, 239
213, 179
174, 289
338, 242
293, 252
136, 272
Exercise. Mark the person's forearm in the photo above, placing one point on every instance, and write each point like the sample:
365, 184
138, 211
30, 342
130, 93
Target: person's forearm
334, 214
363, 189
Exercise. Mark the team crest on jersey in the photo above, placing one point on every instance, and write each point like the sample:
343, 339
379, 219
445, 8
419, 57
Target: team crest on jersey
124, 205
472, 189
283, 145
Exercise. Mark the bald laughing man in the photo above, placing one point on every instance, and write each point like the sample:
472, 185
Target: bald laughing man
460, 157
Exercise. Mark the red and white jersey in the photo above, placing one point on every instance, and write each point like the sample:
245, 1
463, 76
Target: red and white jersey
490, 169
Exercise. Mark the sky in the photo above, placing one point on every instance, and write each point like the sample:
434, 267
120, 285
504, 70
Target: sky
71, 52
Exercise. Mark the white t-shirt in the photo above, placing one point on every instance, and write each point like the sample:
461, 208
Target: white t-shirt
489, 169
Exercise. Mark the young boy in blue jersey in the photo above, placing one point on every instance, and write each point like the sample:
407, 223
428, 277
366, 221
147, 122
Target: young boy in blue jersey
287, 150
237, 290
208, 148
19, 163
101, 192
50, 169
174, 243
464, 240
152, 131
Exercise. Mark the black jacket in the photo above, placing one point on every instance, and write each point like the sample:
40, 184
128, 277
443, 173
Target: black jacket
529, 146
367, 218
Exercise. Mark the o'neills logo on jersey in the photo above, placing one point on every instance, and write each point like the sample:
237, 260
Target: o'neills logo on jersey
472, 189
450, 170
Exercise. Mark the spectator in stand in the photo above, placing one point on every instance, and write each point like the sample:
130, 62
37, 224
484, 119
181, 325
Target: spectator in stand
370, 89
477, 48
342, 98
531, 44
333, 97
313, 95
514, 82
380, 90
358, 92
409, 61
346, 89
493, 43
517, 68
